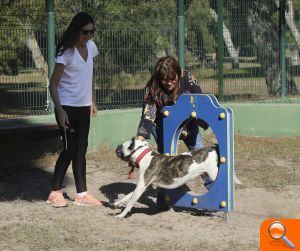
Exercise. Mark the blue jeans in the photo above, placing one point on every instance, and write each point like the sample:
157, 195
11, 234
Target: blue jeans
193, 140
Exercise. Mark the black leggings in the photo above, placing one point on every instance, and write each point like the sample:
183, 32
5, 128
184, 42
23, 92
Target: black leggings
75, 140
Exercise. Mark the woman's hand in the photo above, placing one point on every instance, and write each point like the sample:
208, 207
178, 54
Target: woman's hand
93, 110
63, 118
140, 138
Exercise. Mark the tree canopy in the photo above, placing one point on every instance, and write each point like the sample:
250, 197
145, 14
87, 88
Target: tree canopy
132, 34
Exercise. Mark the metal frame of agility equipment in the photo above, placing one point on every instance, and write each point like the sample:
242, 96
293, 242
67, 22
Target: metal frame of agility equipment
220, 197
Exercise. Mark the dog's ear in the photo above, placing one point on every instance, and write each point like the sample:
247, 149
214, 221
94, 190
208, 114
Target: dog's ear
131, 147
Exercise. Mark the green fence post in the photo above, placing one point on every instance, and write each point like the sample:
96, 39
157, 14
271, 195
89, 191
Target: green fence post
282, 48
51, 45
220, 50
180, 32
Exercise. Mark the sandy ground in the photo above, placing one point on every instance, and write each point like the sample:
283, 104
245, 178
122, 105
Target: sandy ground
28, 223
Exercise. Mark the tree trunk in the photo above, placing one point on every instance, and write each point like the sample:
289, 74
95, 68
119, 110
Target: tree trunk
172, 48
295, 57
37, 56
233, 53
266, 39
289, 17
160, 51
39, 61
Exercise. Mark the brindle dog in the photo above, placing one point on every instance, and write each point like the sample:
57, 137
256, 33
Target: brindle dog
164, 171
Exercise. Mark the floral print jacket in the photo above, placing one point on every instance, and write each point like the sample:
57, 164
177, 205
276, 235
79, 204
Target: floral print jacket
152, 112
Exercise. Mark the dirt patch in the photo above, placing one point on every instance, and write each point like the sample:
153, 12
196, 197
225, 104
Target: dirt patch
268, 168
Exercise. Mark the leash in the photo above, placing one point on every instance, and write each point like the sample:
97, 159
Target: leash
137, 162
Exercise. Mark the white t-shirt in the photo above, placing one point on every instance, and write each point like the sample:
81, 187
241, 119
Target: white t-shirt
75, 84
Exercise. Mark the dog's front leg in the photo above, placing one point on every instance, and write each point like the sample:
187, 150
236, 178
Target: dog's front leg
123, 200
140, 188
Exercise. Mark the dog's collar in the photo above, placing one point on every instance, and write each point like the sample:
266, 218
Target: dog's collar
137, 162
141, 156
133, 152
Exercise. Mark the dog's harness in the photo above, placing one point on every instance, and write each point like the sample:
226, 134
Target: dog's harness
132, 165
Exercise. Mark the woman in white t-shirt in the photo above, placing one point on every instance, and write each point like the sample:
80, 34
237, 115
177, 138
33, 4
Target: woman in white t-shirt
71, 88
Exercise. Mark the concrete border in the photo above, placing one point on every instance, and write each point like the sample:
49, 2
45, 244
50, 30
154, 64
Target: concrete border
113, 127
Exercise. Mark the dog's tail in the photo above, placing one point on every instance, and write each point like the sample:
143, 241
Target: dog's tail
236, 180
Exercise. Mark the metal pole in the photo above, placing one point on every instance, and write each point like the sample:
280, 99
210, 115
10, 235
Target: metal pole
180, 31
282, 48
51, 46
220, 50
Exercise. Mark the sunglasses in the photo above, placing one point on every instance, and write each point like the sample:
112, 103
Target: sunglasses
164, 82
86, 32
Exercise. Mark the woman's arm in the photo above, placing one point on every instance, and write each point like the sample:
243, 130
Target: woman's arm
195, 88
147, 119
140, 138
56, 75
93, 109
193, 83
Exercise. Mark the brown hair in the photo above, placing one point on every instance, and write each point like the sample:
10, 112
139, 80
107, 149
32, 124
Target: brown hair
166, 69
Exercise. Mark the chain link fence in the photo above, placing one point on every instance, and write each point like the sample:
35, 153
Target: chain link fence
132, 35
23, 79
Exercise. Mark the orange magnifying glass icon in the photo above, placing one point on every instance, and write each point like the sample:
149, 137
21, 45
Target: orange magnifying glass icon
277, 231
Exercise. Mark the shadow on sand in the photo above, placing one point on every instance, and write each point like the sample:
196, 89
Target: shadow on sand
114, 190
25, 182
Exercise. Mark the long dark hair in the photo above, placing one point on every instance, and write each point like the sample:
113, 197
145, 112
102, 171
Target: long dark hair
72, 33
166, 69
